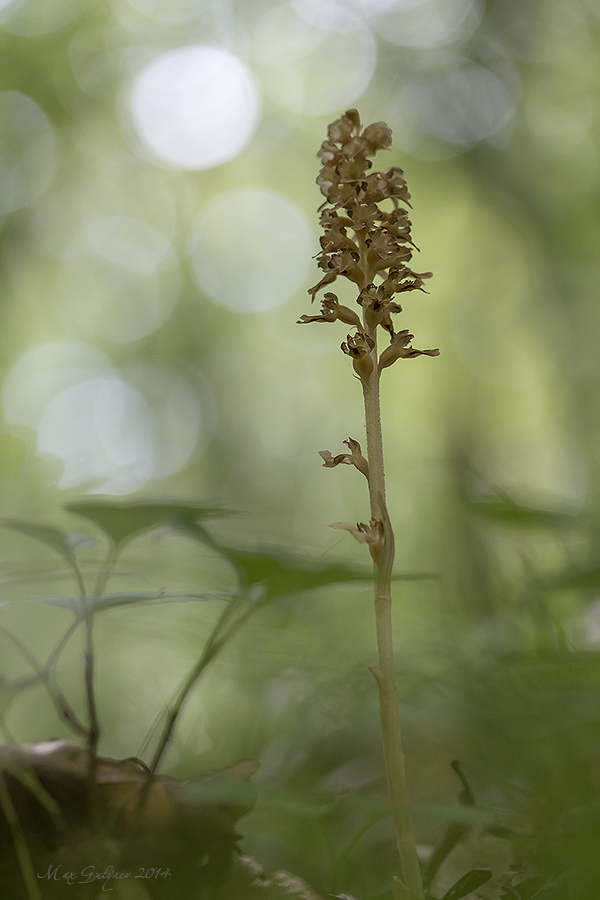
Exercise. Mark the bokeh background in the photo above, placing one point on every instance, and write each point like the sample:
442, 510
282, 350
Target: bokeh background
158, 223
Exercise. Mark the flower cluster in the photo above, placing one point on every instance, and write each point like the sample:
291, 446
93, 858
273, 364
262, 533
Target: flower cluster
368, 244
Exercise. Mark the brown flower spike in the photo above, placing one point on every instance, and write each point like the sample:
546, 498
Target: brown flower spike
369, 245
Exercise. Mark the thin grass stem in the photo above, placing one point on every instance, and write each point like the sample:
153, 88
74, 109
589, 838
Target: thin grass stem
59, 701
21, 849
216, 640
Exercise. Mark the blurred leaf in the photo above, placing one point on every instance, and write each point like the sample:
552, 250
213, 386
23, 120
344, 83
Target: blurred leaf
236, 792
217, 791
64, 542
514, 515
527, 890
124, 521
72, 603
379, 805
232, 792
554, 670
283, 574
415, 576
111, 601
575, 577
399, 890
467, 884
469, 815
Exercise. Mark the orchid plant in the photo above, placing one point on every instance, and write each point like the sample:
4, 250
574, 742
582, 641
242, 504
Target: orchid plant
372, 247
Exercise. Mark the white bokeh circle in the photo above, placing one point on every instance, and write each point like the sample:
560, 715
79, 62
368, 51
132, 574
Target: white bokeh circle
422, 23
250, 249
112, 431
460, 105
314, 67
30, 17
195, 107
27, 151
103, 432
119, 280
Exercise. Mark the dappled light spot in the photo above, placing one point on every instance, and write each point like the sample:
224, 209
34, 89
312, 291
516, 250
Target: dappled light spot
195, 107
535, 465
330, 15
43, 371
376, 7
113, 200
440, 110
30, 17
590, 625
27, 151
558, 124
175, 11
103, 432
462, 104
326, 70
250, 249
120, 281
132, 190
182, 418
128, 243
276, 36
422, 23
111, 431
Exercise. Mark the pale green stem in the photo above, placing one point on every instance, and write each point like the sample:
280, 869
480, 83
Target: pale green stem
384, 672
374, 441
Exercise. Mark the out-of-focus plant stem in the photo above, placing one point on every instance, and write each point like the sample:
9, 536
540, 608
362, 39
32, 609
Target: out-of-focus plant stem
216, 641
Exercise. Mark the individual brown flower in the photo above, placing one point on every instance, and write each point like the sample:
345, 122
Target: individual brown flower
373, 535
354, 458
345, 128
377, 304
399, 349
358, 346
340, 262
331, 311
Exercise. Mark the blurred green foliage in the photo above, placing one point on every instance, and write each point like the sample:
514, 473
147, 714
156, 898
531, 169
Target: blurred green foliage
124, 372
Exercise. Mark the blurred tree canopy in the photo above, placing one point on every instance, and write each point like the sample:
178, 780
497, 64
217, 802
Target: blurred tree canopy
157, 228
